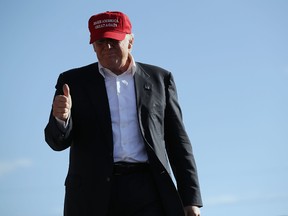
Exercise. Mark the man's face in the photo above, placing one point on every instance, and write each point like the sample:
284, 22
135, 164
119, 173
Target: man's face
113, 54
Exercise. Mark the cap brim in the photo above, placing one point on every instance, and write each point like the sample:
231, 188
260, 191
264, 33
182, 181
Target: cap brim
113, 35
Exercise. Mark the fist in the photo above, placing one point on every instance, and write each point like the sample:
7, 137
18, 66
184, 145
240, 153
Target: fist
192, 211
62, 104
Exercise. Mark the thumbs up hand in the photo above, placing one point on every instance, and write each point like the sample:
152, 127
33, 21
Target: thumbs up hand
62, 104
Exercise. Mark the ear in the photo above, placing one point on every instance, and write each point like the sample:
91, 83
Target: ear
131, 41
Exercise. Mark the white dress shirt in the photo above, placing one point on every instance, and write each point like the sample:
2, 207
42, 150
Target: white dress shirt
127, 139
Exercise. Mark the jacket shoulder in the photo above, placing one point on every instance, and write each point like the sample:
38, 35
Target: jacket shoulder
78, 76
81, 70
153, 69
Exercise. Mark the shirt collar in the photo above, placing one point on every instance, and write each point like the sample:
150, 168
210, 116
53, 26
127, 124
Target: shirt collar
131, 69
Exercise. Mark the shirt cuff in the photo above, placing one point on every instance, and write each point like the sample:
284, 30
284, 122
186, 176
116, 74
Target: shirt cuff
62, 124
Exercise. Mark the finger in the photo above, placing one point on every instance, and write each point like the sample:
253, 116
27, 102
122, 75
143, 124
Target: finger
61, 99
60, 111
66, 90
62, 116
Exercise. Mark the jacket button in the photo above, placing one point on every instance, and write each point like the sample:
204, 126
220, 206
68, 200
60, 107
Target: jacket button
108, 179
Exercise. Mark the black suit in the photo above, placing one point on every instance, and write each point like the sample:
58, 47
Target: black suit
91, 146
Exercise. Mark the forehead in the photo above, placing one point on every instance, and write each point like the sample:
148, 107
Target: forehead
111, 40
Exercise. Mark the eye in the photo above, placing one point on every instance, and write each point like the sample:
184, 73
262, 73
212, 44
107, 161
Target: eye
112, 41
101, 41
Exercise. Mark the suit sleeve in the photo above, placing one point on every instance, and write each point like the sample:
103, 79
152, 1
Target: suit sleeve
179, 149
57, 137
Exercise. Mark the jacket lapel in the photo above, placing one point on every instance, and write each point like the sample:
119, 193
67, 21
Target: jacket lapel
143, 89
97, 94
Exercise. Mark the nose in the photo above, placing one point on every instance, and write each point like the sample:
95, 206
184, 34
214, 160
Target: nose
109, 45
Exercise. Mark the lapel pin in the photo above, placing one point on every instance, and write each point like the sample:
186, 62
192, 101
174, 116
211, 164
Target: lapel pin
147, 86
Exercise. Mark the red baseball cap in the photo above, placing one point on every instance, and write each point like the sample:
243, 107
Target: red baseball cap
110, 24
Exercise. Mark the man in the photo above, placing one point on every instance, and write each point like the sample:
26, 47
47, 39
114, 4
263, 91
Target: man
122, 122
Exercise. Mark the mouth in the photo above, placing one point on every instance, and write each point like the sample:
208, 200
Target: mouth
109, 54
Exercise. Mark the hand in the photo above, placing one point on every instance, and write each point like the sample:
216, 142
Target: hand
62, 104
192, 211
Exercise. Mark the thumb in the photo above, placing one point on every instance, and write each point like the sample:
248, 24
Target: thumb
66, 90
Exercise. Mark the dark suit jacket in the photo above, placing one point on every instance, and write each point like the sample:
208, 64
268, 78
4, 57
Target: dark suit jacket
88, 182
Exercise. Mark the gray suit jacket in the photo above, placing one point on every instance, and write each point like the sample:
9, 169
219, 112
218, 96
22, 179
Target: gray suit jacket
88, 181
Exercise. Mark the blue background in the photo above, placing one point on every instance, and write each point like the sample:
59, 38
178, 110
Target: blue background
229, 60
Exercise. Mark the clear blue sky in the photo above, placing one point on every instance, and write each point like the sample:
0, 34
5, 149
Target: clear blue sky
230, 62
